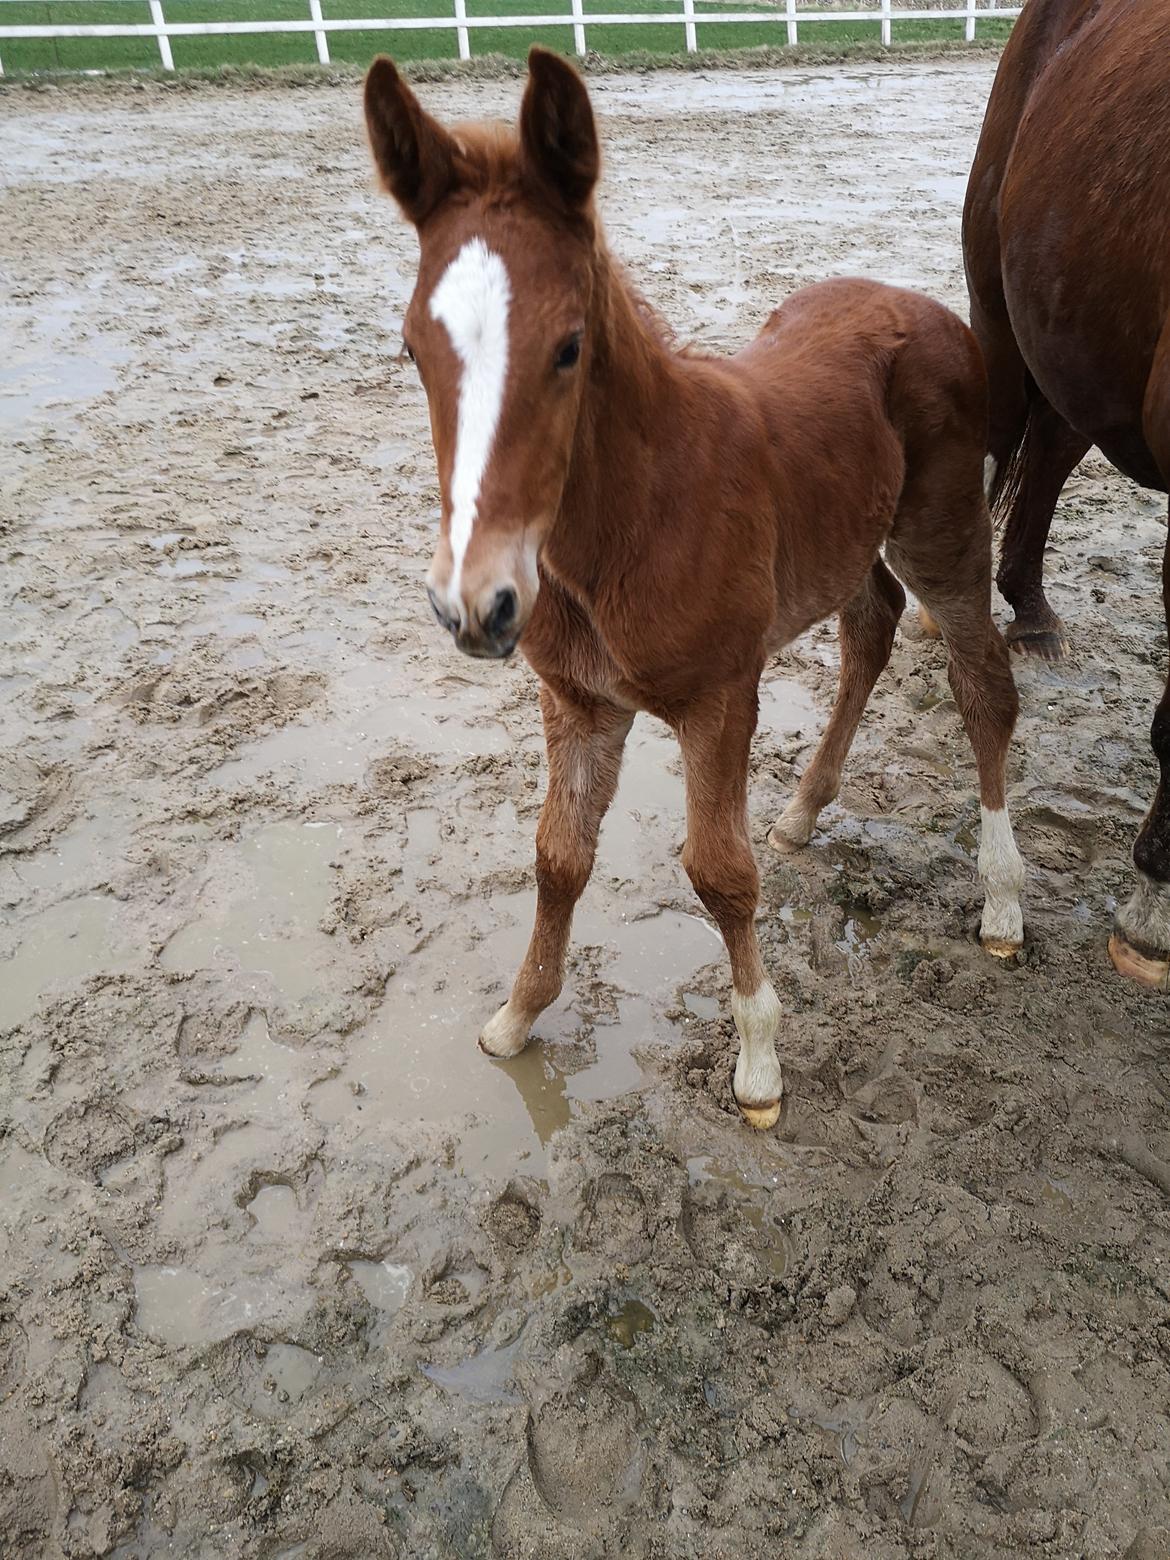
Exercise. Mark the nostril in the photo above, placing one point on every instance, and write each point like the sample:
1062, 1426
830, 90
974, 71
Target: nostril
502, 614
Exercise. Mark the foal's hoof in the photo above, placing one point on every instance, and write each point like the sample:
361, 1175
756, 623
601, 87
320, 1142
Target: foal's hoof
928, 623
1148, 969
1000, 947
506, 1034
1044, 644
761, 1117
792, 830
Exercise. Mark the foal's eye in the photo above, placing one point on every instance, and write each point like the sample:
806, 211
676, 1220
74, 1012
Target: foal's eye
568, 352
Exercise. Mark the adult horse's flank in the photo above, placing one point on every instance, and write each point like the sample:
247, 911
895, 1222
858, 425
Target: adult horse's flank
651, 525
1066, 237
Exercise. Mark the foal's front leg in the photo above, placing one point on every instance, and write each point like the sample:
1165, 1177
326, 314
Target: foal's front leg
584, 739
716, 741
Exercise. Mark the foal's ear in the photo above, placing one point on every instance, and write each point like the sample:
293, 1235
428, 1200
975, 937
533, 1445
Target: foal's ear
415, 156
557, 133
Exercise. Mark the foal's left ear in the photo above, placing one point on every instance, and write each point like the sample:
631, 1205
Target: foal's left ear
557, 132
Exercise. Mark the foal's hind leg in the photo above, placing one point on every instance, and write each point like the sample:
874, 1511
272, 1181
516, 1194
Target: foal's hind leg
867, 627
948, 565
585, 740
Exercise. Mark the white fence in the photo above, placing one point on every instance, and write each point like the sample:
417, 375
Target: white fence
784, 15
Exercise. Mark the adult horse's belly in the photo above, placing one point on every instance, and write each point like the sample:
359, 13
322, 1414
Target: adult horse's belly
1084, 226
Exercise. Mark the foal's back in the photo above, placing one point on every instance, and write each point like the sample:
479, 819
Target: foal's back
859, 384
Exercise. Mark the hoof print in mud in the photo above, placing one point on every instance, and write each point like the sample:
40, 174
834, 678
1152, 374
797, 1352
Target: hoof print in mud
613, 1220
87, 1139
513, 1220
580, 1481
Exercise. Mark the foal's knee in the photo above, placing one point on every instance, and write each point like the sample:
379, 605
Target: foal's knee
726, 879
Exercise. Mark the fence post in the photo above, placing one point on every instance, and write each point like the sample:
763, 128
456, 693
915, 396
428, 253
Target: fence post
164, 43
579, 28
792, 21
970, 21
689, 26
322, 38
885, 24
461, 31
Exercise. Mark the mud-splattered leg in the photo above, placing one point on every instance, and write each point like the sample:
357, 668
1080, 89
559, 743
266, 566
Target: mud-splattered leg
585, 739
716, 741
867, 627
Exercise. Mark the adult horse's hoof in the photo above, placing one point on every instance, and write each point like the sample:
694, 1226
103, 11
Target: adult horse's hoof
1148, 969
760, 1117
506, 1034
1043, 644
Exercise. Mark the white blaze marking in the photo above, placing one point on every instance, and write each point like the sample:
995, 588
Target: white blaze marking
471, 301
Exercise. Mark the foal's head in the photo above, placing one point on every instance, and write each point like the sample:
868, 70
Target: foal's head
497, 326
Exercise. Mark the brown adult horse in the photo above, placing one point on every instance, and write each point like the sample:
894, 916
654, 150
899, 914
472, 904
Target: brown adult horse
650, 526
1066, 236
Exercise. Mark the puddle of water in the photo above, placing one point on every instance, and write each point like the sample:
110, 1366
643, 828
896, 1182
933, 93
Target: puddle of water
179, 1305
384, 1284
285, 1375
416, 1058
454, 721
650, 806
75, 859
701, 1006
484, 1378
846, 1424
787, 707
626, 1325
749, 1197
63, 945
861, 926
276, 1215
36, 376
180, 568
262, 906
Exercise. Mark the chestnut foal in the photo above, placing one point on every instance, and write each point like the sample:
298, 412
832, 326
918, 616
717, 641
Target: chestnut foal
650, 526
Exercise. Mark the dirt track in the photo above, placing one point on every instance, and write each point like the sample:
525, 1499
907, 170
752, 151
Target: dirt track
288, 1268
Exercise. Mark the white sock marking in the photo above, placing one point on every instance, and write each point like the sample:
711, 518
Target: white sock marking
1002, 869
471, 301
757, 1072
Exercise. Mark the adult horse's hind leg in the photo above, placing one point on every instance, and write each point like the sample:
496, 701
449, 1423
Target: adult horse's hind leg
948, 565
716, 740
866, 626
1030, 483
1140, 945
585, 740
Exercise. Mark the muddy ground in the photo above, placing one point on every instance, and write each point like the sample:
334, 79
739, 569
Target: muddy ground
289, 1268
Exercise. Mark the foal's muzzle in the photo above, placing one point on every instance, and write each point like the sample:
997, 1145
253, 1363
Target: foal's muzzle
490, 634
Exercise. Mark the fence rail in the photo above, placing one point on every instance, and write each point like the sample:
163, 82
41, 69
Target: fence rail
786, 15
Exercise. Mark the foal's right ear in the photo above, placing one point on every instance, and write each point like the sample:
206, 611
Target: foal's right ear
557, 132
415, 156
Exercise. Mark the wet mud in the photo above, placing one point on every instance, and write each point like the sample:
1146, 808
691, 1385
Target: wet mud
287, 1268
